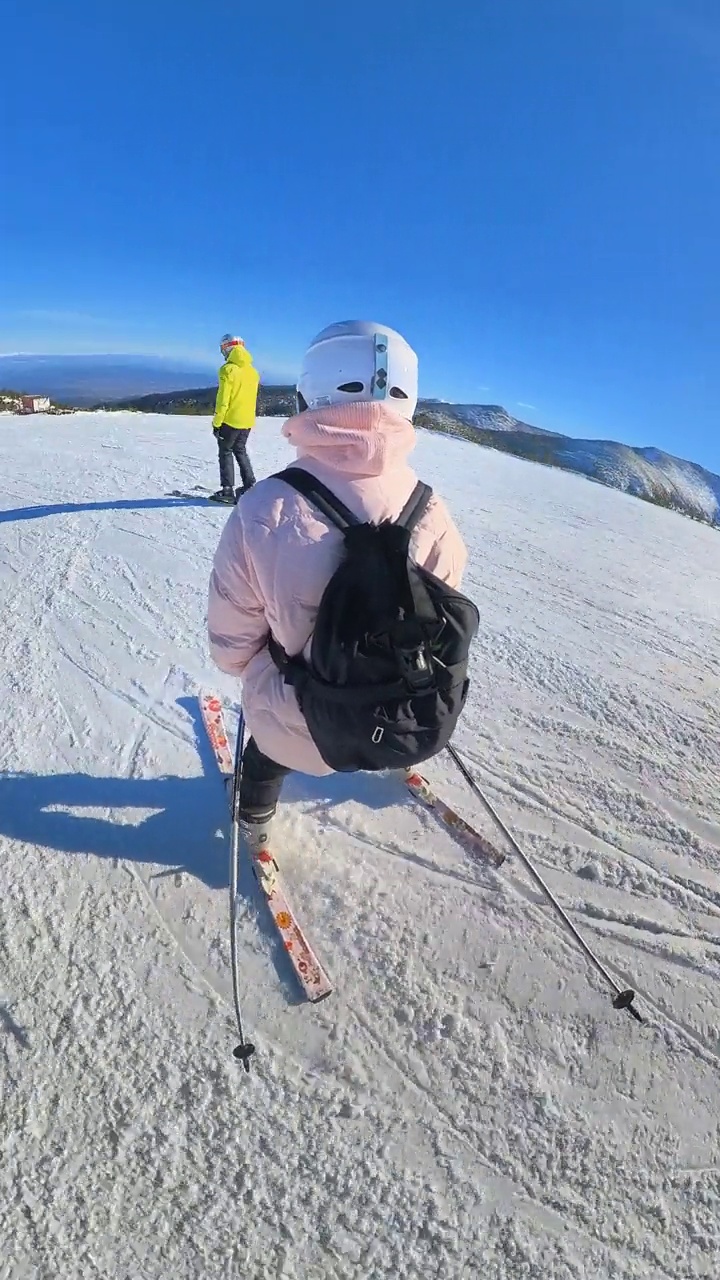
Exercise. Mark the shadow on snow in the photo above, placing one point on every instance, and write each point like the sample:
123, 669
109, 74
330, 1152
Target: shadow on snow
185, 830
120, 504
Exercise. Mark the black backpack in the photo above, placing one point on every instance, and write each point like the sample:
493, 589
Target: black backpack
387, 677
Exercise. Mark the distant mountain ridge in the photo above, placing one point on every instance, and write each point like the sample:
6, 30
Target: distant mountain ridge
273, 402
646, 473
492, 417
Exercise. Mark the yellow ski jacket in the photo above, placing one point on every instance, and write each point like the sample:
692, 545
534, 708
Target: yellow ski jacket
236, 401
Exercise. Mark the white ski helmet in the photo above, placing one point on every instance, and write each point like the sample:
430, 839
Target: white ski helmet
228, 341
359, 360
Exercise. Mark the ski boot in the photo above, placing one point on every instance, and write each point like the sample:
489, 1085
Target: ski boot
255, 831
226, 497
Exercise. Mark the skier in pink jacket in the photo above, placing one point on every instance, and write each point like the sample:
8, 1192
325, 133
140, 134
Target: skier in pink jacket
277, 553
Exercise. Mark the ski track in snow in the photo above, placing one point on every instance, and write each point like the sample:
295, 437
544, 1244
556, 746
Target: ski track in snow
467, 1103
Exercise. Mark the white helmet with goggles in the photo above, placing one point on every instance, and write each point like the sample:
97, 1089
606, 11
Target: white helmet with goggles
359, 360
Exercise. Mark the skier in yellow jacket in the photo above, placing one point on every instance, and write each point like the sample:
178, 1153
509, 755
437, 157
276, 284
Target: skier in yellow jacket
234, 417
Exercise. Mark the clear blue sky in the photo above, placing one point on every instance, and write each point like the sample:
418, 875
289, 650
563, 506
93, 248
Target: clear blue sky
529, 189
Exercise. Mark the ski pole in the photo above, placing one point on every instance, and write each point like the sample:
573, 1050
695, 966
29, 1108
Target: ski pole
243, 1051
623, 999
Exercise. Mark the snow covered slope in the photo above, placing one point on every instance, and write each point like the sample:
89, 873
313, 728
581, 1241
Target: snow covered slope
489, 417
649, 473
467, 1103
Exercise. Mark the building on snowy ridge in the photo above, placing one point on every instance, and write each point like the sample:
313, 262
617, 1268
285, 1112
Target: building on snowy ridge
34, 404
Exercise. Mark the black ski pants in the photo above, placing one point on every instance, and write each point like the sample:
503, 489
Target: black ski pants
232, 444
261, 783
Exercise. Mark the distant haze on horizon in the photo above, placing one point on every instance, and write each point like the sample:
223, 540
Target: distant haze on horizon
88, 378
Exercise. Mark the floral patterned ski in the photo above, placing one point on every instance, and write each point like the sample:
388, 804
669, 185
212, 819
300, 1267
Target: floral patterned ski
472, 840
310, 973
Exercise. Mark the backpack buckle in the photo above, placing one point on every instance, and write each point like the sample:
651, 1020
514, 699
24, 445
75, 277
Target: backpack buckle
417, 670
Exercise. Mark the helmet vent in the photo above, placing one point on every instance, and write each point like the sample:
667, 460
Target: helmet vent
352, 388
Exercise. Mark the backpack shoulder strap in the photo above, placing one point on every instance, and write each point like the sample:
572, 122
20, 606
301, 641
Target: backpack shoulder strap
319, 495
325, 500
414, 508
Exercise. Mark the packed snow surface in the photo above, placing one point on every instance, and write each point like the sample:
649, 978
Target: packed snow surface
467, 1103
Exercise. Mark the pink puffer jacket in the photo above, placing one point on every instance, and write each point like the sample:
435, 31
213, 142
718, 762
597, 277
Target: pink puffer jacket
277, 554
